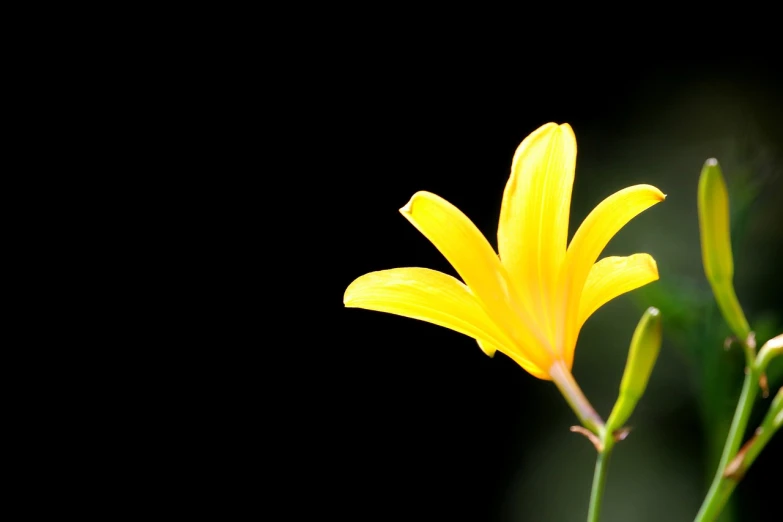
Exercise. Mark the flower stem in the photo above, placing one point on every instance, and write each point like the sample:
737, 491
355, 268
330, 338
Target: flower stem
599, 479
576, 398
598, 434
716, 496
744, 459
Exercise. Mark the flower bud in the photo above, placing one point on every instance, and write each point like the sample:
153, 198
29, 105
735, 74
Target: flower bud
643, 352
716, 246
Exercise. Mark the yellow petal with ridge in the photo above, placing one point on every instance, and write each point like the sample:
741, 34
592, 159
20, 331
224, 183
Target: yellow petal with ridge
434, 297
590, 239
533, 227
471, 255
614, 276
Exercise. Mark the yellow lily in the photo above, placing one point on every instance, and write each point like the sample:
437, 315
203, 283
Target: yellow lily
530, 301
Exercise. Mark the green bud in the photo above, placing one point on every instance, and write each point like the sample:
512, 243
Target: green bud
645, 345
716, 246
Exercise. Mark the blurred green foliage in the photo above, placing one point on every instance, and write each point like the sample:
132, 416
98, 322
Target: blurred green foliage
694, 323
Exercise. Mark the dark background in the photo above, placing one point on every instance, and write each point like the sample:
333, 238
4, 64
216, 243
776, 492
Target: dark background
421, 424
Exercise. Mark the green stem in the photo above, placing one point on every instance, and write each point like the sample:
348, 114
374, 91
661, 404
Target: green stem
715, 500
599, 479
747, 455
576, 398
600, 436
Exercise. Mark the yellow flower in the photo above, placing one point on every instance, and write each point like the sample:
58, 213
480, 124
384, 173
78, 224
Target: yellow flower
530, 301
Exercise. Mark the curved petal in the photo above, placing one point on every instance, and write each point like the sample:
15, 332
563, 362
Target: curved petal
428, 295
614, 276
472, 257
533, 227
589, 241
529, 367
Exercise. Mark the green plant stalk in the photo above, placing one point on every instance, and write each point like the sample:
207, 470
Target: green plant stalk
747, 455
726, 297
576, 399
595, 431
599, 477
715, 499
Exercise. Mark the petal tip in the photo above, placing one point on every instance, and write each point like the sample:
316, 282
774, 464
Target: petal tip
653, 266
650, 191
657, 194
349, 295
407, 209
712, 162
567, 133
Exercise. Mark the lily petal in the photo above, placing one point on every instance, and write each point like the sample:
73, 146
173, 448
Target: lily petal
589, 241
464, 246
427, 295
528, 366
614, 276
533, 227
435, 297
471, 255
